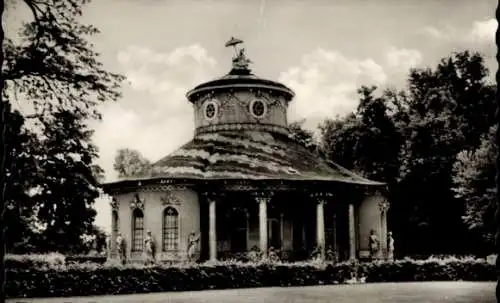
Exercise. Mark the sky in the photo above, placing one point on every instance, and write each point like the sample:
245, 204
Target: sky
323, 50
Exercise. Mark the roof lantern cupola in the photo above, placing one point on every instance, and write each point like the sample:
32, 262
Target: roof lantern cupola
240, 100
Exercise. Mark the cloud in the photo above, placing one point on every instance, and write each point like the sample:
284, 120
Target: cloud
154, 116
159, 73
402, 58
477, 32
325, 83
433, 32
484, 31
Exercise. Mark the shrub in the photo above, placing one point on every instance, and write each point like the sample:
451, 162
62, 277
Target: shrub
86, 259
88, 279
34, 261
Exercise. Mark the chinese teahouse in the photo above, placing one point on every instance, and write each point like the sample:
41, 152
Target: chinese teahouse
243, 183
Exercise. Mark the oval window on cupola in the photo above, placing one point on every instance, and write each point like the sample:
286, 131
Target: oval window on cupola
258, 108
211, 110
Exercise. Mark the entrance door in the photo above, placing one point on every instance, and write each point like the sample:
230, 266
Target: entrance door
239, 231
330, 230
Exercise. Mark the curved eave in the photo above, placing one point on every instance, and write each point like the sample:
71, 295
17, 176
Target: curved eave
137, 182
239, 82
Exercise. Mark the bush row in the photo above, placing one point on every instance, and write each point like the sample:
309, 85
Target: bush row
93, 279
52, 260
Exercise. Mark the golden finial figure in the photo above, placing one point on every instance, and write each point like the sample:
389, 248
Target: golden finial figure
240, 61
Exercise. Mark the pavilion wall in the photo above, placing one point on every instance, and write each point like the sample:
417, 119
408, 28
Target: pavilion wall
186, 203
369, 217
234, 109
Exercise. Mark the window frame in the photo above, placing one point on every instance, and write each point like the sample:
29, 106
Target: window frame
251, 106
164, 230
133, 243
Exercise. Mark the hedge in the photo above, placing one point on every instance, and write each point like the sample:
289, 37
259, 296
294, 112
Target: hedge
94, 279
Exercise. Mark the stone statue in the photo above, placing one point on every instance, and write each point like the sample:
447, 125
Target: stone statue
150, 245
93, 248
192, 248
273, 255
331, 255
390, 247
374, 244
255, 255
121, 247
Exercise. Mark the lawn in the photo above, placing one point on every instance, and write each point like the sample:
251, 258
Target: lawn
457, 292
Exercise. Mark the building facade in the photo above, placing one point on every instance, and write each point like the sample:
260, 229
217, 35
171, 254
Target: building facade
244, 183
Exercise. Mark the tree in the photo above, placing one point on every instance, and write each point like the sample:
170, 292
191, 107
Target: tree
447, 110
474, 183
70, 186
368, 140
130, 163
21, 171
302, 136
410, 139
51, 67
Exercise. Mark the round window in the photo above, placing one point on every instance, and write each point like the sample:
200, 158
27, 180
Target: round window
210, 110
258, 108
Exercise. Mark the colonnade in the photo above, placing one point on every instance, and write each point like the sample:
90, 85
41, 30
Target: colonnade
263, 200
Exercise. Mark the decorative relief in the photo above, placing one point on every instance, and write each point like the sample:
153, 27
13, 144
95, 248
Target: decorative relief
242, 126
229, 97
321, 194
384, 205
137, 202
212, 194
169, 198
114, 204
262, 196
161, 188
246, 187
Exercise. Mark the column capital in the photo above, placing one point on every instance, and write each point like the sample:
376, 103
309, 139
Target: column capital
114, 204
262, 196
321, 197
212, 194
383, 205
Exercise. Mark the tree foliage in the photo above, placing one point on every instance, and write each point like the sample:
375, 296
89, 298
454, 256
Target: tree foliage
50, 67
410, 138
52, 63
366, 141
474, 183
303, 136
130, 163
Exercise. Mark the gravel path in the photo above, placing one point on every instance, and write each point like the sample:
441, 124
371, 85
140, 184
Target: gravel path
428, 292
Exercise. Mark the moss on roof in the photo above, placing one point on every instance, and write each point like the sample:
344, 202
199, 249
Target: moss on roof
251, 156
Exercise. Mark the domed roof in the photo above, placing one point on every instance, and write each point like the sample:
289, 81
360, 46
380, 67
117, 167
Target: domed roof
249, 155
236, 79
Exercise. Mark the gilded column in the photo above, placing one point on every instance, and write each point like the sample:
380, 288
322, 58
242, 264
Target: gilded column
320, 227
352, 233
384, 208
212, 230
263, 199
112, 249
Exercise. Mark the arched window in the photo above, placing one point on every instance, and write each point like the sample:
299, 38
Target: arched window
170, 229
137, 230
